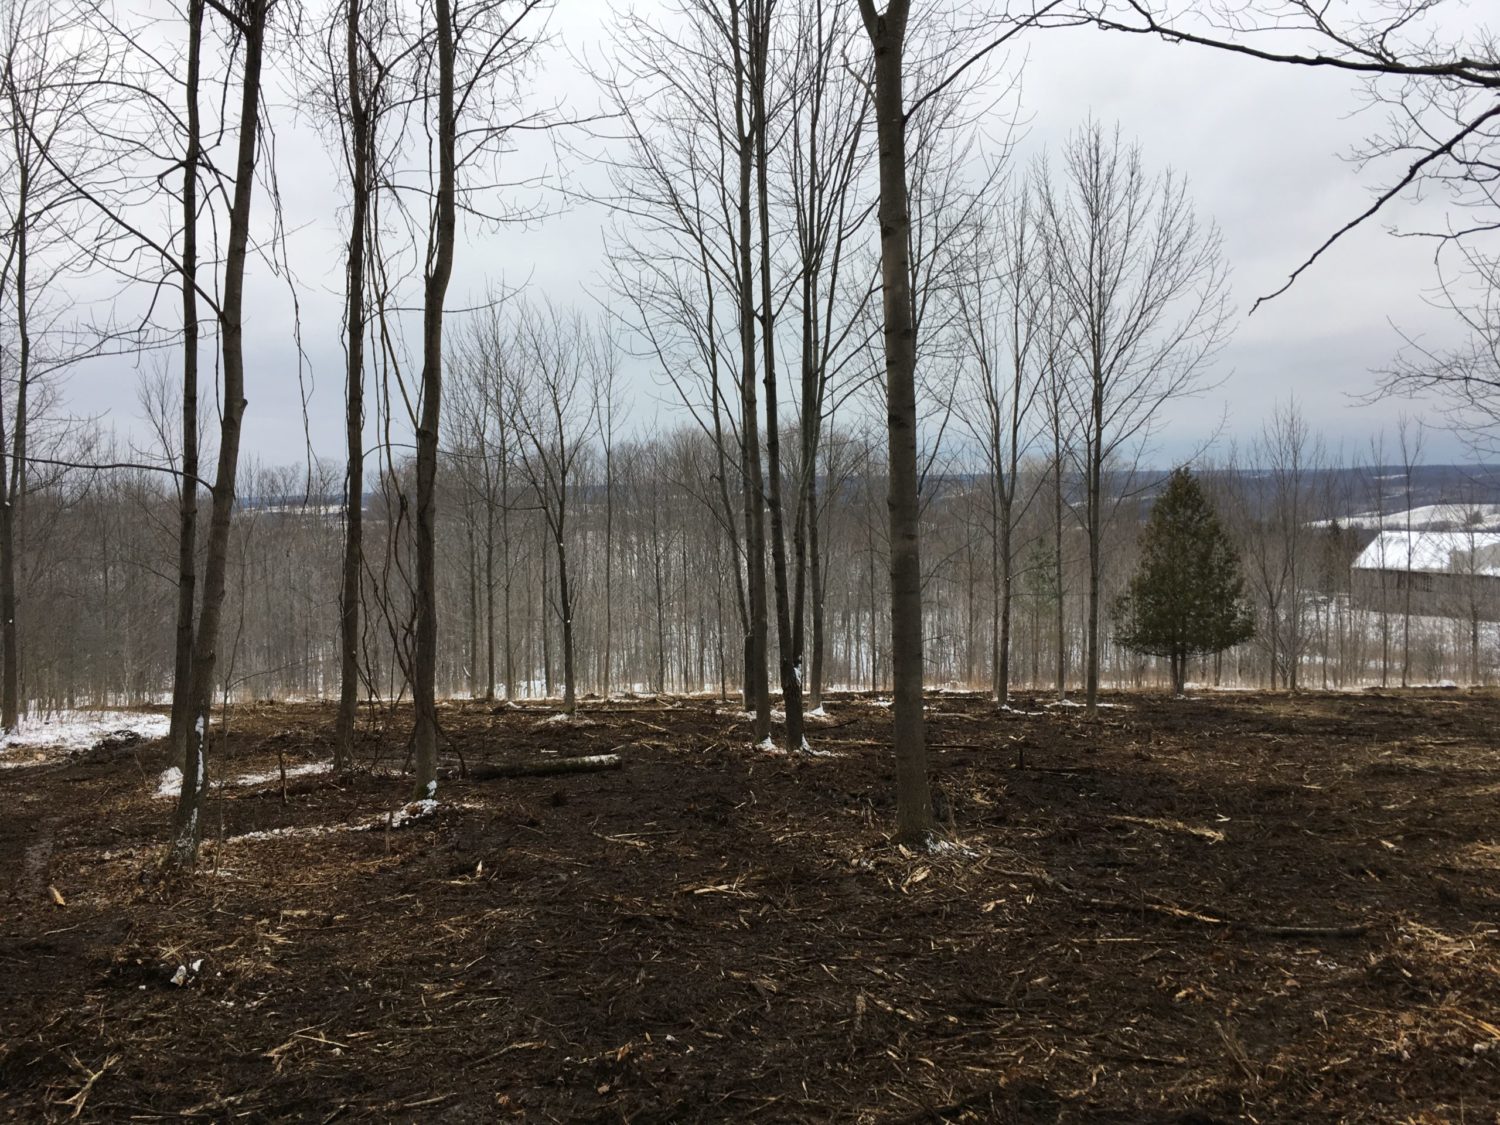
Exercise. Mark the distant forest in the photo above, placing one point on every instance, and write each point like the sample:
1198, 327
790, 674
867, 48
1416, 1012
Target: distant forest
656, 597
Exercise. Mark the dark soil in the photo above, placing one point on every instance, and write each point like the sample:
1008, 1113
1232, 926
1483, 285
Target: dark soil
1127, 928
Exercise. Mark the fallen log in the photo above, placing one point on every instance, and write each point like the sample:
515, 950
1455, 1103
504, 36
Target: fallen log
545, 767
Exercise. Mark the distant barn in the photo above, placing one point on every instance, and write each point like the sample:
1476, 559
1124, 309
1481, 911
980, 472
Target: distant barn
1449, 573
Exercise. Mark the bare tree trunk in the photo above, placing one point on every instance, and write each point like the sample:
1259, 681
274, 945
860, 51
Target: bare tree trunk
1002, 671
1057, 563
489, 599
887, 34
507, 564
565, 607
11, 479
360, 140
424, 659
188, 826
1095, 503
187, 513
544, 622
607, 661
816, 582
756, 644
790, 652
472, 559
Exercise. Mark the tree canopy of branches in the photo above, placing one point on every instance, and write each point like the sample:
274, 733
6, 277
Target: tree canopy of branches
1143, 302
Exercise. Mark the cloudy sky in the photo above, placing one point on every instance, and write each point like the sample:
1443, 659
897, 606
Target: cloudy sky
1264, 149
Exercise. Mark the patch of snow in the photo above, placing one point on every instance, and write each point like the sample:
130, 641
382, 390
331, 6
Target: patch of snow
937, 845
768, 746
399, 818
416, 810
817, 713
306, 770
818, 753
297, 830
68, 731
169, 784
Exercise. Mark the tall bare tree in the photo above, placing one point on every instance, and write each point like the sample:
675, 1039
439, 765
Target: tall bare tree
887, 34
1005, 312
248, 22
44, 88
556, 368
684, 259
471, 60
1142, 287
358, 79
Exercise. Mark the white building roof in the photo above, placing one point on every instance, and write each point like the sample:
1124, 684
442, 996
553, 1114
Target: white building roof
1433, 552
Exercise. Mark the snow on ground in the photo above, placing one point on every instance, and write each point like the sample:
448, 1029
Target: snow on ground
65, 732
397, 818
170, 782
416, 810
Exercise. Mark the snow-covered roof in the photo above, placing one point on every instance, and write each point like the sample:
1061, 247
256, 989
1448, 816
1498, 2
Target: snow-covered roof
1433, 552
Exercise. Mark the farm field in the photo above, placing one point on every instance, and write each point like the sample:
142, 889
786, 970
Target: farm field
1232, 908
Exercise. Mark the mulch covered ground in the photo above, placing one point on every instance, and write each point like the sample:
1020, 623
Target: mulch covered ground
1231, 908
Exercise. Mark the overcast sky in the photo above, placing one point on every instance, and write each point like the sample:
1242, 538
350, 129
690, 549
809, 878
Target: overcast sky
1263, 148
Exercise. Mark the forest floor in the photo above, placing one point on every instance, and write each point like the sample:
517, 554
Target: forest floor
1237, 907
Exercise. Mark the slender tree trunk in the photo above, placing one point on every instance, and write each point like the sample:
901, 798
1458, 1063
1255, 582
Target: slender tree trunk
790, 655
507, 564
660, 588
1057, 568
11, 488
424, 662
489, 598
607, 665
473, 567
354, 408
1007, 582
544, 618
188, 825
1096, 533
887, 34
756, 644
997, 691
187, 508
565, 608
816, 581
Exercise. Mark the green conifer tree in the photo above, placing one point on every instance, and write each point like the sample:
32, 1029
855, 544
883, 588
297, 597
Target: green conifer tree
1187, 596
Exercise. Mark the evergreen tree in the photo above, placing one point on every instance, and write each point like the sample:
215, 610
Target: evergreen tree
1186, 597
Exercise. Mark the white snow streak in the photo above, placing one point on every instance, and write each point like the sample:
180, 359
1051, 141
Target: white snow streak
170, 782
